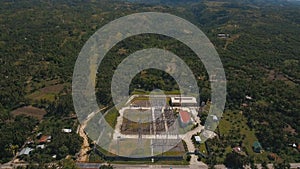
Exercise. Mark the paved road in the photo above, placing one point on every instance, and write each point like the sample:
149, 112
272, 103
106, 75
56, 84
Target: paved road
88, 165
270, 166
126, 166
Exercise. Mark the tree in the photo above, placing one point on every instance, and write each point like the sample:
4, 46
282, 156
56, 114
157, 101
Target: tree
282, 165
251, 162
234, 160
63, 151
188, 157
264, 165
212, 161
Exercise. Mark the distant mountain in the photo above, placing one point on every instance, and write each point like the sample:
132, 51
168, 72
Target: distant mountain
182, 2
165, 2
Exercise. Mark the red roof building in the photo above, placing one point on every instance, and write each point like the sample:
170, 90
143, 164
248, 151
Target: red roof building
185, 118
44, 139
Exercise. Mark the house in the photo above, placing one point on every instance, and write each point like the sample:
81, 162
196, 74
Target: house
25, 151
39, 135
223, 35
245, 105
197, 139
183, 101
45, 139
257, 147
248, 97
185, 118
66, 130
42, 146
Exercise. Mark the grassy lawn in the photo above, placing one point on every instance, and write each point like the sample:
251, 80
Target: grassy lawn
202, 148
128, 147
111, 117
95, 158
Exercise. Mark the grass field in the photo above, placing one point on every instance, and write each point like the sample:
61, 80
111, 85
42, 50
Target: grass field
94, 157
128, 147
111, 117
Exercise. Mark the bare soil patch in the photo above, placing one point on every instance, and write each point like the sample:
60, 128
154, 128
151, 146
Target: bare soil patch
140, 103
30, 111
52, 89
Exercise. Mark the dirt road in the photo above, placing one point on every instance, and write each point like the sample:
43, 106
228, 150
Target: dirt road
83, 155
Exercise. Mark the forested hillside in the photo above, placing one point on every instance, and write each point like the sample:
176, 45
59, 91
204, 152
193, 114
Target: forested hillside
40, 41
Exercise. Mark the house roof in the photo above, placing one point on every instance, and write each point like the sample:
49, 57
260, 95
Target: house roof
25, 151
185, 116
184, 100
248, 97
197, 138
42, 146
44, 139
66, 130
256, 144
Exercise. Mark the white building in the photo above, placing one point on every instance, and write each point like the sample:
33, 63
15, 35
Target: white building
197, 139
183, 101
66, 130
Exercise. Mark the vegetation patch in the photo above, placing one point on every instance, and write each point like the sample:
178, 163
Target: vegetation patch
46, 93
234, 132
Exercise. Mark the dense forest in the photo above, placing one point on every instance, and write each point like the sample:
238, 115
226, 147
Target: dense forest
40, 41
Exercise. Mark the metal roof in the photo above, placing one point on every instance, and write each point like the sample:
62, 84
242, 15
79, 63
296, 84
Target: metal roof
25, 151
189, 100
